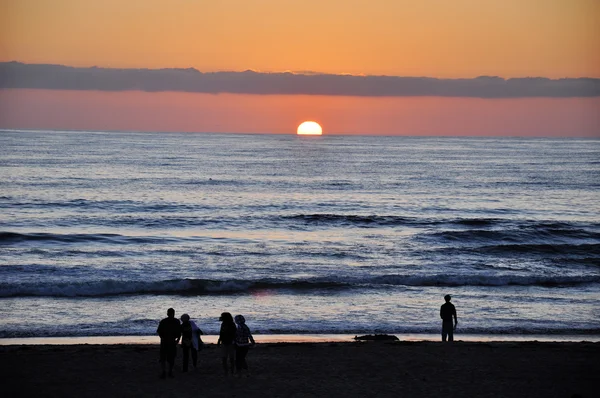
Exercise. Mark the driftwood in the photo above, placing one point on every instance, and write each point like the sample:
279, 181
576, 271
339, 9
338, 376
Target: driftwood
377, 337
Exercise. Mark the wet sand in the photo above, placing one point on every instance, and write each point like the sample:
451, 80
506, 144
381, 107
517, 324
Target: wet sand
299, 338
371, 369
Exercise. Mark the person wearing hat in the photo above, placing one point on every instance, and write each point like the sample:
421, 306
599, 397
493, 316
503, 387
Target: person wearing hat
447, 312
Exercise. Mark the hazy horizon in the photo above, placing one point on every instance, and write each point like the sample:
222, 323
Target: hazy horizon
281, 114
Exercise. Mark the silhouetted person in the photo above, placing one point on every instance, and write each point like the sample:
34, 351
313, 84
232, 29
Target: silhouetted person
226, 340
447, 312
169, 330
190, 339
243, 340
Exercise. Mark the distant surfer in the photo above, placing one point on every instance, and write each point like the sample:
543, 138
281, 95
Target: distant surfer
447, 312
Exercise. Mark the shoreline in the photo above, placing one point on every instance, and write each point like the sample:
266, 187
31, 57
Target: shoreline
300, 338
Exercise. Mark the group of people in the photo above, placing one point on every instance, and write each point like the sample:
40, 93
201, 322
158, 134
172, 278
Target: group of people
234, 338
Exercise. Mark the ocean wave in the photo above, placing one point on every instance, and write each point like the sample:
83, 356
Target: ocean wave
486, 280
543, 249
112, 287
114, 206
483, 224
154, 221
480, 222
350, 219
515, 233
8, 238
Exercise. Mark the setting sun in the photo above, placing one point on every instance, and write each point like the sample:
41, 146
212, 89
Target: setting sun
310, 128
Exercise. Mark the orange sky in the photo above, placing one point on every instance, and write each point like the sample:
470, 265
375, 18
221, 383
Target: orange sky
438, 38
193, 112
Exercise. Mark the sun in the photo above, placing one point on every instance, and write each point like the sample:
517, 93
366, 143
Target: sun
310, 128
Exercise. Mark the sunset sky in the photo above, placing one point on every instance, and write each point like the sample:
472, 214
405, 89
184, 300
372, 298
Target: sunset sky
432, 38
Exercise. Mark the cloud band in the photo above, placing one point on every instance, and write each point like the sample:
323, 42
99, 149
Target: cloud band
60, 77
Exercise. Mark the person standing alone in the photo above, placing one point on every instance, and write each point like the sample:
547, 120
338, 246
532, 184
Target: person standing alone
447, 312
169, 330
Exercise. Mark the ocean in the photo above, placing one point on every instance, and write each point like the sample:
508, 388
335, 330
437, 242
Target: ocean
101, 232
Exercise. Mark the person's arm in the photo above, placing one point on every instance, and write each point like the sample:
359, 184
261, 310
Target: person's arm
442, 312
455, 318
220, 335
178, 334
251, 337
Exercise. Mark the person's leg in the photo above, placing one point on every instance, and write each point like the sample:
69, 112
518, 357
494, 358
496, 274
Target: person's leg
171, 358
163, 361
171, 365
194, 356
232, 357
450, 333
224, 355
186, 357
238, 359
243, 353
163, 366
224, 363
446, 330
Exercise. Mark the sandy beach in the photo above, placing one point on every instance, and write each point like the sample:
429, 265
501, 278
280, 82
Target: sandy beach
363, 369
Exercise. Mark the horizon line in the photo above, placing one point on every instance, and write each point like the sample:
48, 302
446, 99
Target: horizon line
331, 134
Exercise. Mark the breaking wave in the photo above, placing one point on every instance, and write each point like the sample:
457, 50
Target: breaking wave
112, 287
9, 238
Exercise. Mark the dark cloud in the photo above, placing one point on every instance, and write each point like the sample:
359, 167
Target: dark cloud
59, 77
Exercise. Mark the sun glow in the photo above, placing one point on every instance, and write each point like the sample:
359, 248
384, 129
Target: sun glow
310, 128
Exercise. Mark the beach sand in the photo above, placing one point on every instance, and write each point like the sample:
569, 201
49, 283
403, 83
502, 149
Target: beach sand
370, 369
